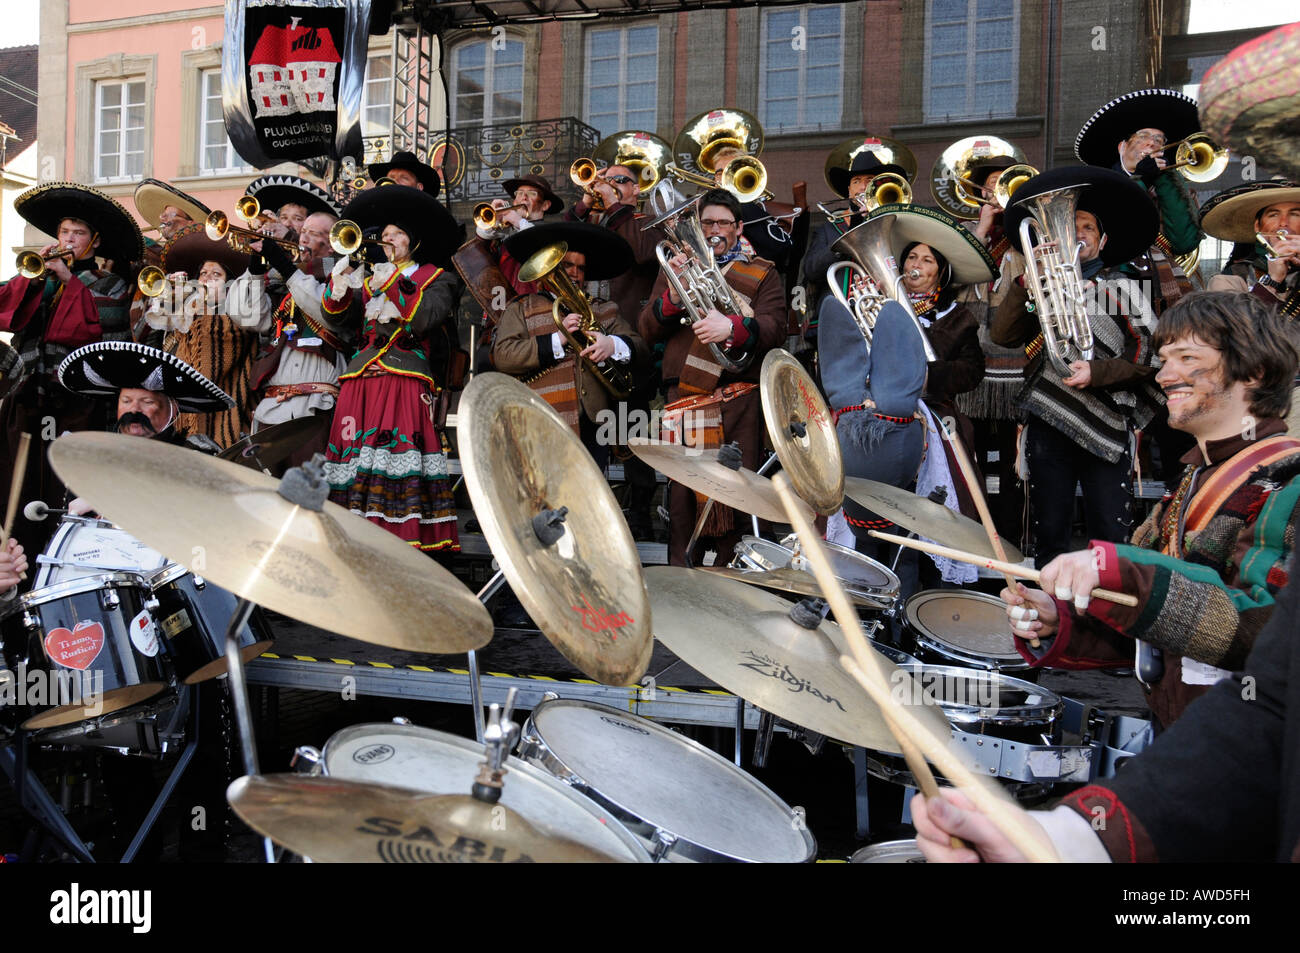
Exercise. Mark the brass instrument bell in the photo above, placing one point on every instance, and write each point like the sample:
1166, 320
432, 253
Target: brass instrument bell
951, 181
347, 238
644, 154
1198, 157
704, 136
32, 265
488, 218
217, 227
152, 281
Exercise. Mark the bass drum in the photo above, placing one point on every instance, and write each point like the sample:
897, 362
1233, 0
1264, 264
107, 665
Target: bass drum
686, 801
421, 759
959, 627
192, 618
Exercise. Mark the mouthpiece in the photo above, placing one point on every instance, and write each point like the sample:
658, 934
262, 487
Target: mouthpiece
715, 239
914, 273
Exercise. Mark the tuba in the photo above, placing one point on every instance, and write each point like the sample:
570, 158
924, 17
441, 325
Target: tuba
1053, 278
545, 267
874, 277
701, 285
643, 153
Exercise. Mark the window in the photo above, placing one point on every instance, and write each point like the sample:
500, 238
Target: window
971, 59
377, 107
800, 73
216, 154
119, 130
622, 78
489, 82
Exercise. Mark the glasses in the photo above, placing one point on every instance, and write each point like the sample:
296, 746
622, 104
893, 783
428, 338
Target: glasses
717, 222
621, 180
1154, 138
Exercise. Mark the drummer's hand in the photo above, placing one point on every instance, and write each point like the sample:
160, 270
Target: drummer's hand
1072, 577
80, 507
13, 563
714, 329
953, 814
1031, 612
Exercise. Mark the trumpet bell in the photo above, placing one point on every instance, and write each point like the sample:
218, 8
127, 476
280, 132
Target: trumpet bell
248, 207
345, 237
1200, 159
583, 172
216, 225
152, 281
889, 188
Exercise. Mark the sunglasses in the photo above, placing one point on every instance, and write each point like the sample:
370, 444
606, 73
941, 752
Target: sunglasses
621, 180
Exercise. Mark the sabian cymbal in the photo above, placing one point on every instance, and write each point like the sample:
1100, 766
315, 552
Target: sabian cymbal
585, 591
332, 820
794, 581
744, 639
700, 470
270, 445
925, 517
802, 431
228, 523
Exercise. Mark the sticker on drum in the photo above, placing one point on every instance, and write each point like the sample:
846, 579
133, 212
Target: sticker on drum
82, 547
421, 759
889, 852
957, 627
658, 782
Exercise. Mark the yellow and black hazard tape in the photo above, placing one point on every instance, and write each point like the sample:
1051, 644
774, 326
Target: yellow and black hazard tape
645, 688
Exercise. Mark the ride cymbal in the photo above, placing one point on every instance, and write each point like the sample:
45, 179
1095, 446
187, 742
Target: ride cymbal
228, 523
270, 445
802, 431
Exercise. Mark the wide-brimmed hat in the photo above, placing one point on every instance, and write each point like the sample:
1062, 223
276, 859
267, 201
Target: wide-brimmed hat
867, 156
971, 263
980, 169
273, 191
426, 174
608, 253
1122, 207
1230, 215
415, 212
1168, 110
11, 368
154, 195
47, 205
190, 247
556, 204
105, 367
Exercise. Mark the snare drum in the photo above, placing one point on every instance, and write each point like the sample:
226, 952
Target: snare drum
192, 618
889, 852
866, 581
755, 554
686, 801
990, 703
958, 627
421, 759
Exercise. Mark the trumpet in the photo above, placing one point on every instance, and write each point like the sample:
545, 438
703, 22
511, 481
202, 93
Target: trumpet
217, 226
1053, 278
152, 281
545, 266
1270, 250
347, 238
250, 210
32, 266
584, 174
744, 177
488, 218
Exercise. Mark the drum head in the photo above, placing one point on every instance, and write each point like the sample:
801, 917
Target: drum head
862, 574
889, 852
673, 784
421, 759
973, 623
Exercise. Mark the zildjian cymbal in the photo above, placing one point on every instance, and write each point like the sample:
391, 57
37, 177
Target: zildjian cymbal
555, 529
745, 640
925, 517
228, 523
701, 471
332, 820
802, 431
270, 445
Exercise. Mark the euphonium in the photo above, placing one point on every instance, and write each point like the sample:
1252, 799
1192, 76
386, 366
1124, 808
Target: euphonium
546, 266
873, 277
1053, 278
32, 265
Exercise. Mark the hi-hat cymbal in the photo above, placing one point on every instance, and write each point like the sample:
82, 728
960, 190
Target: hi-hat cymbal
700, 470
744, 639
794, 581
585, 591
802, 431
270, 445
332, 820
228, 523
925, 517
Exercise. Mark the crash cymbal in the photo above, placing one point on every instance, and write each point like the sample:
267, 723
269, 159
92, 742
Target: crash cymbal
585, 591
700, 470
228, 523
802, 431
270, 445
744, 639
925, 517
332, 820
794, 581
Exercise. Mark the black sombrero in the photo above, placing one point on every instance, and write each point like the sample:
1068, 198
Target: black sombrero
273, 191
415, 212
1230, 215
104, 368
1168, 110
191, 247
1125, 212
409, 161
154, 195
11, 368
47, 205
971, 263
608, 253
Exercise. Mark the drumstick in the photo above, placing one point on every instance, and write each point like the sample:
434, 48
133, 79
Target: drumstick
16, 491
1023, 572
866, 669
981, 504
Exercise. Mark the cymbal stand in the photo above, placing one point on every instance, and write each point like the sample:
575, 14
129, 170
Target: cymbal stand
728, 457
239, 693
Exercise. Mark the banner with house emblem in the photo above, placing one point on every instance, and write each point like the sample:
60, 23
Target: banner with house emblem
292, 77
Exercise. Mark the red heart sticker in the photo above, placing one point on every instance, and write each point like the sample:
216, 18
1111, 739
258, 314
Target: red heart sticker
78, 648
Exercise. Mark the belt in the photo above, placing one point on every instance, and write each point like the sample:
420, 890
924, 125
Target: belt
282, 392
720, 395
871, 406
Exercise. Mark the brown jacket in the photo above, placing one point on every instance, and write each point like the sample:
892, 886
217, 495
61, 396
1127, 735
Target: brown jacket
631, 289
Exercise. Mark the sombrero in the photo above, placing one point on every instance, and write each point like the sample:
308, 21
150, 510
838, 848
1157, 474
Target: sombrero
273, 191
415, 212
191, 247
608, 253
1127, 215
1230, 215
47, 205
104, 368
971, 263
154, 195
554, 204
426, 174
1168, 110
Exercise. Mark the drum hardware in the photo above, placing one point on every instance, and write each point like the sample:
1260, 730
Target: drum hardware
729, 457
763, 739
889, 852
957, 627
490, 589
37, 510
31, 265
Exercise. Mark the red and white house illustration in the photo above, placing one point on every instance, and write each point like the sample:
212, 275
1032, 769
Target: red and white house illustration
292, 70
